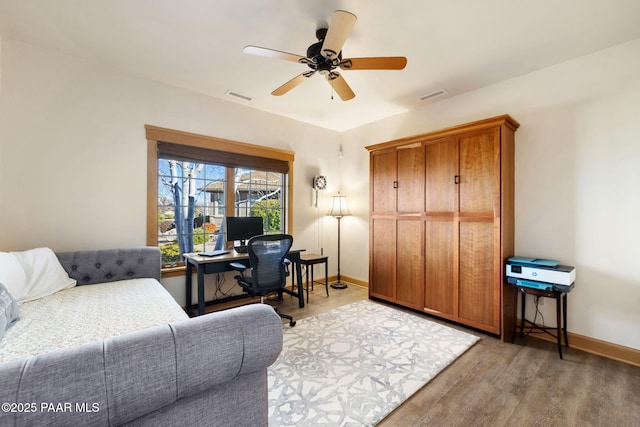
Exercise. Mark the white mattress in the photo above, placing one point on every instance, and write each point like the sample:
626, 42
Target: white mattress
88, 313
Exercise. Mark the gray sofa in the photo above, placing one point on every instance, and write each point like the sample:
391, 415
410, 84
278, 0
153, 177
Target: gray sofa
206, 371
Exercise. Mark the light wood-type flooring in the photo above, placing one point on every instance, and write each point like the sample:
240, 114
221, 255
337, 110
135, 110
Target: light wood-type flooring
503, 384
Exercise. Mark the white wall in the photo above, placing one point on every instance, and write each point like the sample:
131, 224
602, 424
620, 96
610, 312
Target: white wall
577, 177
73, 165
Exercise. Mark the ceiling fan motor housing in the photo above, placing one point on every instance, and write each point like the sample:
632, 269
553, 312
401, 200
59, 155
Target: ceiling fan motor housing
319, 62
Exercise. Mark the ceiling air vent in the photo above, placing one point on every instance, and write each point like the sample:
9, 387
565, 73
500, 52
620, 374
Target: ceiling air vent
238, 95
433, 94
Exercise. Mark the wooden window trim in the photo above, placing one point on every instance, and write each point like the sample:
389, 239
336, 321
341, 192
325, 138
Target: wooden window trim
156, 134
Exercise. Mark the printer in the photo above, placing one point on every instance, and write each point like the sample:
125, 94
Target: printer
540, 273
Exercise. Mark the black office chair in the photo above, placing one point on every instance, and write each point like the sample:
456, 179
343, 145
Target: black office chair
268, 267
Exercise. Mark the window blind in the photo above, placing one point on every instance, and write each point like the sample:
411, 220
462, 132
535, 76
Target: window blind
224, 158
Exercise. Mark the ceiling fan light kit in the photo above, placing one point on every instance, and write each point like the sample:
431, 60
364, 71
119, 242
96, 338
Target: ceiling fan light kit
325, 56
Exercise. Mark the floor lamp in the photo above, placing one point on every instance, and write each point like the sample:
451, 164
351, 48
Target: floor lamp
338, 210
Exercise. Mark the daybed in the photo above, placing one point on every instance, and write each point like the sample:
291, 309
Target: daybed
128, 355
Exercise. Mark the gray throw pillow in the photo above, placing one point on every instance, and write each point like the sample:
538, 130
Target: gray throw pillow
8, 310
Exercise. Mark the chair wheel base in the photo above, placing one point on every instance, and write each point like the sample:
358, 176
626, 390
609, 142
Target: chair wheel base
292, 323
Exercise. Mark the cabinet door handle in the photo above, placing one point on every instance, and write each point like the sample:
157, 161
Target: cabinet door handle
395, 184
456, 179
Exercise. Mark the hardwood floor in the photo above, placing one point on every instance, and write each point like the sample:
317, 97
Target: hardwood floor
499, 384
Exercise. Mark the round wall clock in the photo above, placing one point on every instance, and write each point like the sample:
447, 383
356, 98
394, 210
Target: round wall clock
320, 182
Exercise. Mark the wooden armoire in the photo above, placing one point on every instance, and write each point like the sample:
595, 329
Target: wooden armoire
442, 223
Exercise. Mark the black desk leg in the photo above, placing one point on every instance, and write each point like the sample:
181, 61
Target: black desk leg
188, 297
201, 291
295, 260
559, 324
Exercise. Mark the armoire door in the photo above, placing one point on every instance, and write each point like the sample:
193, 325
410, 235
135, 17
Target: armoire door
383, 181
478, 291
410, 182
441, 170
479, 192
410, 266
439, 289
479, 180
382, 267
441, 201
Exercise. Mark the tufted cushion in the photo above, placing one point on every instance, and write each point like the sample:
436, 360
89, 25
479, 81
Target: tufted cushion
109, 265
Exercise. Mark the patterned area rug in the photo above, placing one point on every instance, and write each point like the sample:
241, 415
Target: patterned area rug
353, 365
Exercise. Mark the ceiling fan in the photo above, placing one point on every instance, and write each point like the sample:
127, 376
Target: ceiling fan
326, 55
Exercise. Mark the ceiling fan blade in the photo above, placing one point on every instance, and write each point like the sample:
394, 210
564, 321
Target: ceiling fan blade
292, 83
340, 27
340, 86
380, 63
275, 54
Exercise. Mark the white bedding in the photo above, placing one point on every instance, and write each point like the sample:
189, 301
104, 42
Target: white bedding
33, 274
88, 313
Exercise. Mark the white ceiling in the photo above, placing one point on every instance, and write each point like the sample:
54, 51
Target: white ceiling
455, 45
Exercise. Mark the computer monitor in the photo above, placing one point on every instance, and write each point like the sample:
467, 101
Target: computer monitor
243, 228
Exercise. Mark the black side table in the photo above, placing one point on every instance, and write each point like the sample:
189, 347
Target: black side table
309, 260
561, 313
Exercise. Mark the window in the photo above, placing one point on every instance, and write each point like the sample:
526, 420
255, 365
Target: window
195, 181
188, 219
260, 193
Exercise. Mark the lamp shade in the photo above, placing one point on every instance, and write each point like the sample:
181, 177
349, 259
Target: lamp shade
339, 207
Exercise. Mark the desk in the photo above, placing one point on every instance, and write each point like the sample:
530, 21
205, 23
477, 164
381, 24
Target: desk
220, 264
561, 313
